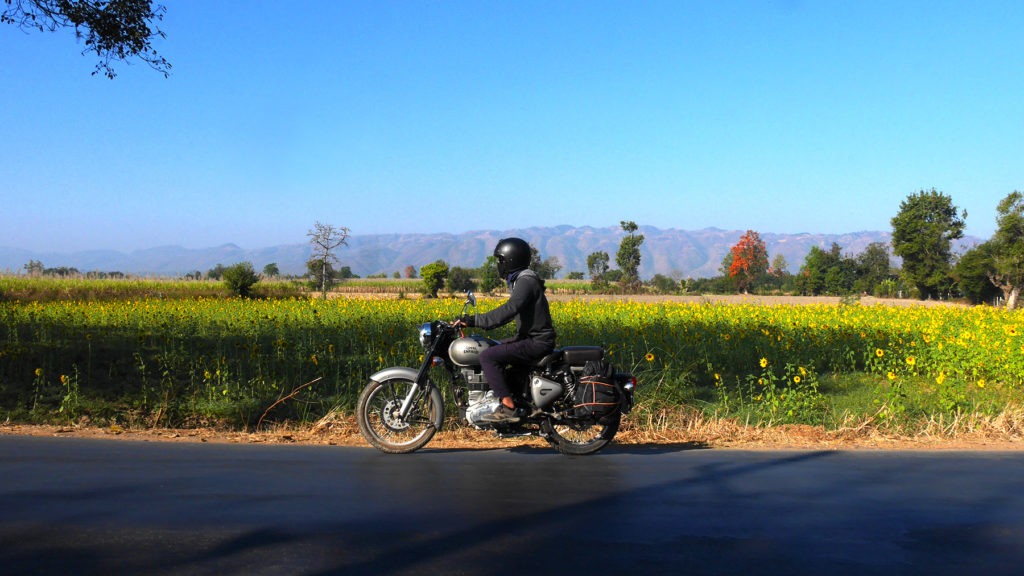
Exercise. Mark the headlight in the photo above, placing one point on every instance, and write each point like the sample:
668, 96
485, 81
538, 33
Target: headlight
426, 338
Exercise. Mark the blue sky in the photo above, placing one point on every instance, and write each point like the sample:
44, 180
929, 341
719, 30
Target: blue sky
416, 116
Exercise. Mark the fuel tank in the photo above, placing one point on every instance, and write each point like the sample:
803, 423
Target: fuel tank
466, 351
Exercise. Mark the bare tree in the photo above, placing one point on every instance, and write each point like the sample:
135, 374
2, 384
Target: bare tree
324, 238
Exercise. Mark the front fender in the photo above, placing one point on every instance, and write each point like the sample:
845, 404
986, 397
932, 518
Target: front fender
395, 372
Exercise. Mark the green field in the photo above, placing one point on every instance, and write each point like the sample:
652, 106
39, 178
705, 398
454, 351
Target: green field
199, 360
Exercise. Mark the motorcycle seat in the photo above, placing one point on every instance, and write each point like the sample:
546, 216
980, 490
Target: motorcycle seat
572, 355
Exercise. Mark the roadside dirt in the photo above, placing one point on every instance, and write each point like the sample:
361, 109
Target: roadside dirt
344, 432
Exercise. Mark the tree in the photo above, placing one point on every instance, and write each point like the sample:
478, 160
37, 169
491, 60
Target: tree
546, 269
872, 267
597, 268
1008, 248
488, 273
112, 29
575, 275
240, 278
922, 234
460, 279
324, 238
316, 271
410, 271
216, 272
628, 256
749, 261
271, 270
434, 276
34, 268
973, 273
811, 280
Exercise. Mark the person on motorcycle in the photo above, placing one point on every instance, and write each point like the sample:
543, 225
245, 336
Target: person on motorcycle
528, 306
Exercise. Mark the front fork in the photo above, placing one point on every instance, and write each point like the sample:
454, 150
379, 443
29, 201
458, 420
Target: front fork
421, 385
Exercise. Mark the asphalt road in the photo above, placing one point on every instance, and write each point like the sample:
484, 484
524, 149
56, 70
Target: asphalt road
81, 506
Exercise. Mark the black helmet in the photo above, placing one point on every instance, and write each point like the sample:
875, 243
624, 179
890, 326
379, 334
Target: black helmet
513, 255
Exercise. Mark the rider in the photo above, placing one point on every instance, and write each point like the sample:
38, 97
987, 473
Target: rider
535, 335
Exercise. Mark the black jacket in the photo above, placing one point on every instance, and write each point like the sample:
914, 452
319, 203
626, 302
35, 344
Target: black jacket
527, 305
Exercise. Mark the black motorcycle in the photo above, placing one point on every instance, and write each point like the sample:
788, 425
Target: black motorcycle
571, 397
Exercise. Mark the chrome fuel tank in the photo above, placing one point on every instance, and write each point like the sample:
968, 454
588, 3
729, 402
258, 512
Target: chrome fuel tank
466, 351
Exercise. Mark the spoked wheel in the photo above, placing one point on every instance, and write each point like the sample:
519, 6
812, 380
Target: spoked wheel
380, 421
579, 438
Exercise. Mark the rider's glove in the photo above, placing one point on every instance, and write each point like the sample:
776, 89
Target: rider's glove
469, 320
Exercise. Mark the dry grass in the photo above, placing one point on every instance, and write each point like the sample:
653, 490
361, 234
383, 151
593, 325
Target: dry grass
681, 428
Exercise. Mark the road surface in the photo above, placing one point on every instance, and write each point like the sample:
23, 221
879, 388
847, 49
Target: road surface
87, 506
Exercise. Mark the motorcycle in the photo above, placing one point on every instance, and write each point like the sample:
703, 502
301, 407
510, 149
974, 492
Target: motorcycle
401, 408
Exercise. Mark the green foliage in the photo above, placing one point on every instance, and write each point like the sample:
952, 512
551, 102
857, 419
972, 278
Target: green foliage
1008, 247
271, 270
922, 234
488, 274
240, 278
597, 267
460, 280
216, 273
546, 269
663, 284
321, 275
575, 275
628, 256
973, 272
434, 276
112, 30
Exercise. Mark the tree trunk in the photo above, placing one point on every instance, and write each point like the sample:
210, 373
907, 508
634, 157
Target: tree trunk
1011, 298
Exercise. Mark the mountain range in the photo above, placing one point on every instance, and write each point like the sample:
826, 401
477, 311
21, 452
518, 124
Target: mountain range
672, 252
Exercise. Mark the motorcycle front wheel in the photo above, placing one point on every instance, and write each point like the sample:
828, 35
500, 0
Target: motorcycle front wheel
579, 438
380, 422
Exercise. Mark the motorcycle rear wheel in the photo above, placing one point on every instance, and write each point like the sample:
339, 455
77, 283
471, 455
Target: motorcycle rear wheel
379, 422
579, 439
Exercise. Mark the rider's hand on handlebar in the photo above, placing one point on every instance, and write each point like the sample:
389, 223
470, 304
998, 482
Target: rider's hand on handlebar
467, 321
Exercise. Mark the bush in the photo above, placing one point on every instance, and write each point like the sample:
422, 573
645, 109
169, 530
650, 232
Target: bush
240, 278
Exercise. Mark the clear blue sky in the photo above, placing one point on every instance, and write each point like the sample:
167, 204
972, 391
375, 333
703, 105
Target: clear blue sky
415, 116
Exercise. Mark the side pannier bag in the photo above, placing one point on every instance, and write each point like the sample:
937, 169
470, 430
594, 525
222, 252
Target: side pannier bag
597, 396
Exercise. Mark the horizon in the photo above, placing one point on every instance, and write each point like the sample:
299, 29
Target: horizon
394, 118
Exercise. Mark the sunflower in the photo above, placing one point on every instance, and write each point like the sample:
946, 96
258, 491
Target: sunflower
764, 362
879, 353
649, 357
911, 361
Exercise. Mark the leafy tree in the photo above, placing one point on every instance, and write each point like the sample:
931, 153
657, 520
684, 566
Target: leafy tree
34, 268
663, 284
973, 273
812, 277
112, 29
575, 275
324, 238
410, 271
240, 278
434, 276
597, 267
216, 272
488, 273
1008, 248
922, 234
628, 256
749, 261
546, 269
271, 270
459, 280
872, 267
316, 272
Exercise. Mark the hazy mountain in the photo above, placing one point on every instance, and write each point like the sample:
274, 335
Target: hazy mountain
672, 252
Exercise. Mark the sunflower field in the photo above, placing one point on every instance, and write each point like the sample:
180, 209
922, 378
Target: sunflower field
195, 360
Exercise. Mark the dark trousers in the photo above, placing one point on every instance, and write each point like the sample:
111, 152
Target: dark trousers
494, 359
